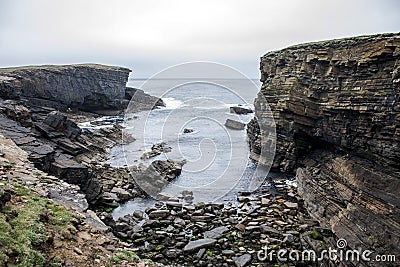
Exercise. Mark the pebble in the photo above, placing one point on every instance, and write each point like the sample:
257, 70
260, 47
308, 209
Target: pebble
78, 251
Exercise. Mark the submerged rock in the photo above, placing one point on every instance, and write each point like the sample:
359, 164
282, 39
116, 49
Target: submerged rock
187, 130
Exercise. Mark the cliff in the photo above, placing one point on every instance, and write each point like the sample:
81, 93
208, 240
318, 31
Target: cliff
90, 87
336, 109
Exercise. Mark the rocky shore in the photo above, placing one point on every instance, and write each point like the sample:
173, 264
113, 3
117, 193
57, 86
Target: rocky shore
336, 111
70, 163
176, 232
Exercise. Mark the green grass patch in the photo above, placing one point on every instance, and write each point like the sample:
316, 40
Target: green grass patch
123, 255
209, 252
315, 234
21, 236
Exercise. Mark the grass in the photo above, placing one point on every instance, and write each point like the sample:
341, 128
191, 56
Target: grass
123, 255
22, 228
315, 234
209, 252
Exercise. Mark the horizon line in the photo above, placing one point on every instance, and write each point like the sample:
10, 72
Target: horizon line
192, 78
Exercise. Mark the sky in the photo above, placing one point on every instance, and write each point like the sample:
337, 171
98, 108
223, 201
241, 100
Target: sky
148, 36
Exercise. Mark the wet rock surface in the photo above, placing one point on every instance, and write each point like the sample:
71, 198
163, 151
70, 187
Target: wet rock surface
156, 150
240, 110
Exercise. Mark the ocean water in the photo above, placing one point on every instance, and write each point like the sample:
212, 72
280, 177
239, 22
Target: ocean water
217, 158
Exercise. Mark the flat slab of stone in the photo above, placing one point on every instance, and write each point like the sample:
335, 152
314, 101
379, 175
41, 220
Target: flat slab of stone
216, 232
268, 230
242, 261
69, 170
198, 244
290, 205
159, 214
236, 125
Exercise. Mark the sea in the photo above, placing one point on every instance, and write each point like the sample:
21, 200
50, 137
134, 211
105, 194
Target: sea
217, 159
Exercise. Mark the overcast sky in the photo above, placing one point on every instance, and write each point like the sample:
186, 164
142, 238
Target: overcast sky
148, 36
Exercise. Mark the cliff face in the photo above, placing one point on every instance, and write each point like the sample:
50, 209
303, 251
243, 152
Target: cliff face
336, 106
88, 87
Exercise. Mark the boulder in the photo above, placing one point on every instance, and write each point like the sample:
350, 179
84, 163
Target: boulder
216, 232
156, 150
69, 170
236, 125
240, 110
139, 100
62, 123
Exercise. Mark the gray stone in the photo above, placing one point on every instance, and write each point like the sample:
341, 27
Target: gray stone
265, 201
200, 253
268, 230
289, 238
236, 125
138, 214
197, 244
159, 214
291, 205
69, 170
121, 193
243, 260
228, 252
173, 204
202, 218
173, 253
179, 222
216, 232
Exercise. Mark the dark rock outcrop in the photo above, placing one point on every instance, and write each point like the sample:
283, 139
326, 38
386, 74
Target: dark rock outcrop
32, 101
240, 110
89, 87
139, 100
336, 107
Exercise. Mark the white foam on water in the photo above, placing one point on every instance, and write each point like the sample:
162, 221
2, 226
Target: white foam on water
172, 103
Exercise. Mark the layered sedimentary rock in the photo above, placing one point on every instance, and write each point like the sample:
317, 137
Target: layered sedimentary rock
88, 87
31, 103
336, 106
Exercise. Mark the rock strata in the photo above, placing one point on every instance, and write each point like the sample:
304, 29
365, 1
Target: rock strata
336, 108
89, 87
